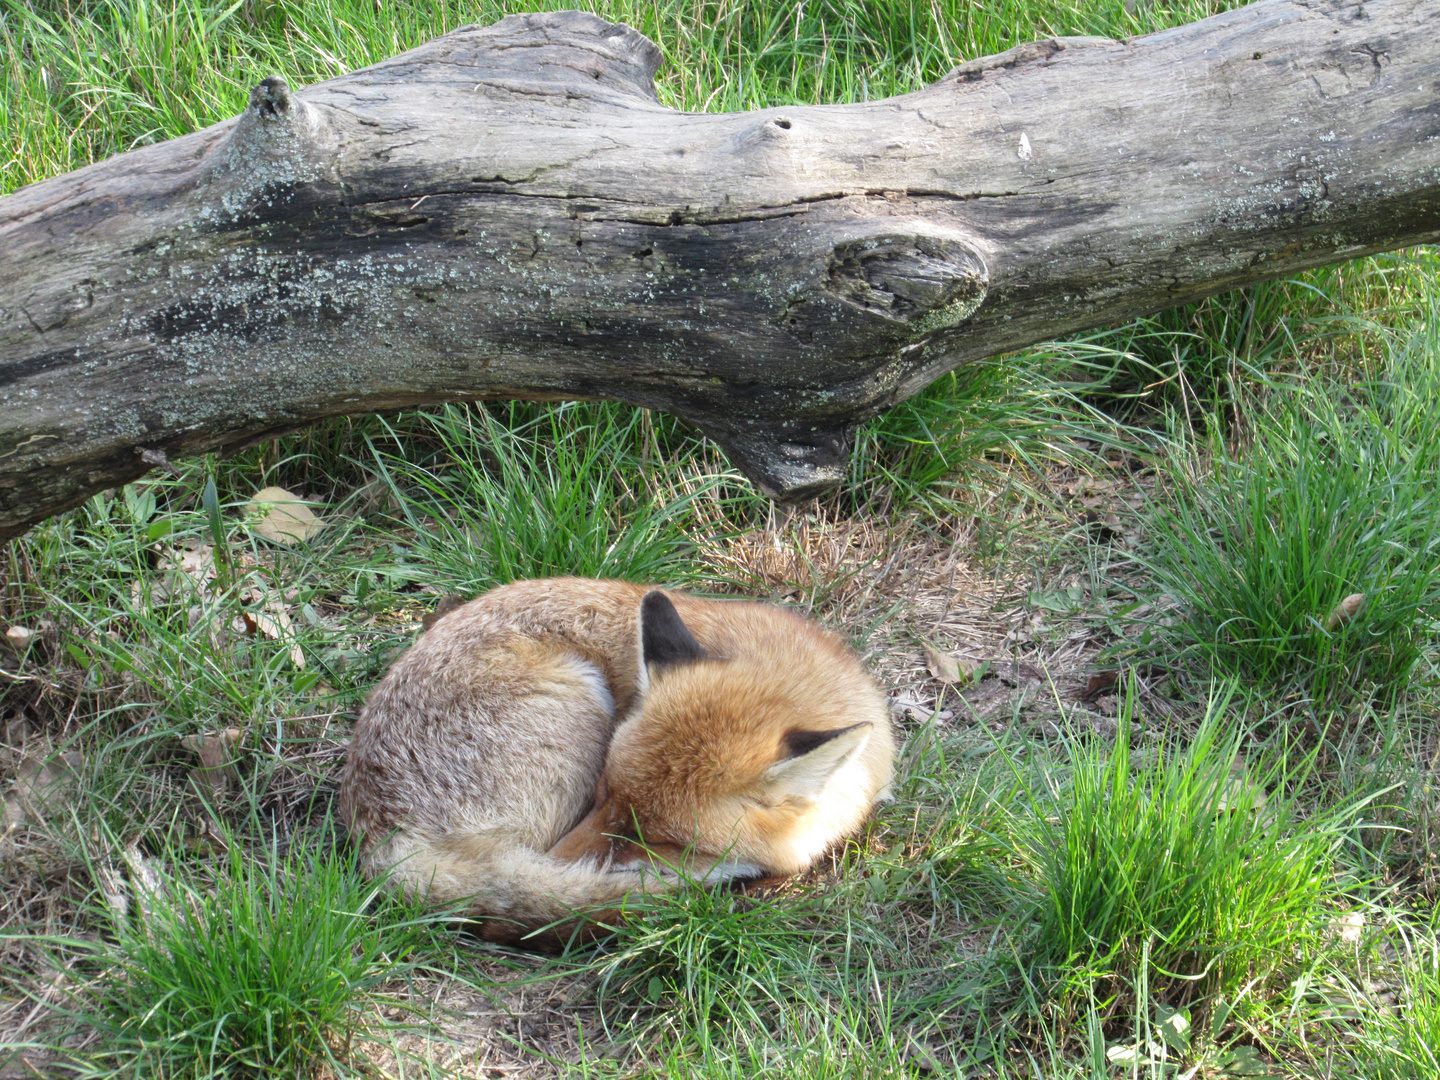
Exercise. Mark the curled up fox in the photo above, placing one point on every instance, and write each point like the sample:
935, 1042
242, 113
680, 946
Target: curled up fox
556, 744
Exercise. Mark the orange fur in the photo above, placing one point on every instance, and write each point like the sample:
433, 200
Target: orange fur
475, 762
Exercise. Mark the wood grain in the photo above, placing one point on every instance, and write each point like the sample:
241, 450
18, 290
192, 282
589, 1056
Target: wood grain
508, 212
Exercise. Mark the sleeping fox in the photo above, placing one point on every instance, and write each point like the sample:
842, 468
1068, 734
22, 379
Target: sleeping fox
556, 744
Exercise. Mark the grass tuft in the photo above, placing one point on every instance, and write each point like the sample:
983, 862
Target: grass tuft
1330, 498
708, 953
1404, 1043
254, 965
961, 436
535, 494
1180, 871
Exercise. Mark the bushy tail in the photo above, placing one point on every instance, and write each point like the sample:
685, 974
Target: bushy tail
525, 888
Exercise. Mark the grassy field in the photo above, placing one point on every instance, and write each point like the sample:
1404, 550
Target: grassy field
1157, 609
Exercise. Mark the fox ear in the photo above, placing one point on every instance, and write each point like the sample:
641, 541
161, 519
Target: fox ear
813, 757
664, 639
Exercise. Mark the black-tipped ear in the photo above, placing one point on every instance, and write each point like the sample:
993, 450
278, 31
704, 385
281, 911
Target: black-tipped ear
816, 757
664, 639
799, 742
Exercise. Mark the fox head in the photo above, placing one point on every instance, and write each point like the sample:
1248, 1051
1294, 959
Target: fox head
726, 761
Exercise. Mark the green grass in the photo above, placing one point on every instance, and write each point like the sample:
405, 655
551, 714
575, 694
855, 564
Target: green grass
1404, 1043
706, 954
1326, 492
963, 434
254, 963
1144, 909
1205, 884
84, 81
539, 493
132, 583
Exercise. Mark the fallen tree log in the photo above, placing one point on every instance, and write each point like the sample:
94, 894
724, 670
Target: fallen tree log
508, 211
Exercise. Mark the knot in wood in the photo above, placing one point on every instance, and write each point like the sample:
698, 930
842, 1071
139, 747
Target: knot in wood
270, 99
925, 282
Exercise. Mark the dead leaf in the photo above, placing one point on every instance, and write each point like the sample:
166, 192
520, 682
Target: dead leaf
1064, 601
920, 1057
446, 605
196, 561
188, 570
281, 517
910, 706
274, 622
950, 668
217, 621
1014, 672
145, 880
1345, 610
1238, 792
1105, 528
43, 785
18, 730
1348, 927
270, 624
216, 751
114, 890
1098, 684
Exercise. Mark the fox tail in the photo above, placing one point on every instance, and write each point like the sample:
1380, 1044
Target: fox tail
517, 889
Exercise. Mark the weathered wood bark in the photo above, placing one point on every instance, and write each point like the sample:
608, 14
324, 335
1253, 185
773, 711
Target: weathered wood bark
509, 212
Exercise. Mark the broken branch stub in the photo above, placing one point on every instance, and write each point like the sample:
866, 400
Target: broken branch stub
508, 211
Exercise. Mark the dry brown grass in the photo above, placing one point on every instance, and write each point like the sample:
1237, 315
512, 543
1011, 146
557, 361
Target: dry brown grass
896, 586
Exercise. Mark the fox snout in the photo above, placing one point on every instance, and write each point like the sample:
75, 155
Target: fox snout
608, 834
